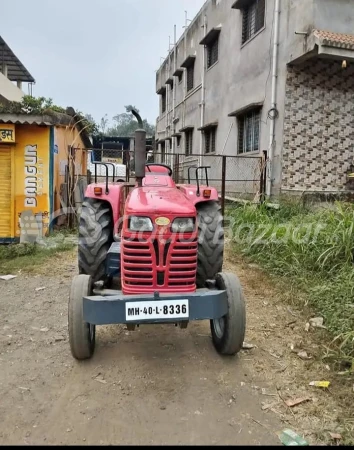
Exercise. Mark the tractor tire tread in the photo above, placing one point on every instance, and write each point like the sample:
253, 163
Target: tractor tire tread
210, 242
95, 238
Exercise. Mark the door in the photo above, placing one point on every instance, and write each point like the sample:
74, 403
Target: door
5, 193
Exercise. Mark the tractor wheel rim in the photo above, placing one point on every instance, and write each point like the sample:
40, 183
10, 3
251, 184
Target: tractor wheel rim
219, 327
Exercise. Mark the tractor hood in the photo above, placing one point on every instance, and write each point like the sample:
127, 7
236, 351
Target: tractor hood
159, 200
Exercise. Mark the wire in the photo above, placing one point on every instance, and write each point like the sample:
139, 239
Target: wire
275, 114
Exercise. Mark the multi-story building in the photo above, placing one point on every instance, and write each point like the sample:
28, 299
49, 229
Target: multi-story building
249, 76
12, 75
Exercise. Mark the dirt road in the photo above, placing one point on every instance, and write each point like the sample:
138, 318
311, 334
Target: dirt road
158, 385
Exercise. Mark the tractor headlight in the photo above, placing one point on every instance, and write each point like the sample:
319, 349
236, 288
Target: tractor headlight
137, 223
183, 225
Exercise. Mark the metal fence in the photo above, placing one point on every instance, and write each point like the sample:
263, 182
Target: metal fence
235, 177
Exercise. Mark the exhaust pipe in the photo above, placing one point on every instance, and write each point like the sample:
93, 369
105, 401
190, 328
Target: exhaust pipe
140, 156
140, 149
138, 118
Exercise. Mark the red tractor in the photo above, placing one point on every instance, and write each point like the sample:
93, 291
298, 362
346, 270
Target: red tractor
152, 252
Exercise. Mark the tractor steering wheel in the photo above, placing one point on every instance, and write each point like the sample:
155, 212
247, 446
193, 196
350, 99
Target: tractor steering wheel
161, 165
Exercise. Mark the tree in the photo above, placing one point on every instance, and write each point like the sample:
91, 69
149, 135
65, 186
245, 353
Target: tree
125, 124
104, 123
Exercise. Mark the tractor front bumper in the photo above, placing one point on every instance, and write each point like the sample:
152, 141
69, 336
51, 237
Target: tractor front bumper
113, 307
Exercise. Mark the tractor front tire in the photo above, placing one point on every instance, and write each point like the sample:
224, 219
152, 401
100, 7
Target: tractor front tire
210, 242
95, 238
228, 333
82, 335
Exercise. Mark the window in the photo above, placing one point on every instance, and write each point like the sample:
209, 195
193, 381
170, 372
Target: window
178, 141
213, 52
253, 19
163, 102
248, 131
210, 140
189, 142
188, 64
190, 77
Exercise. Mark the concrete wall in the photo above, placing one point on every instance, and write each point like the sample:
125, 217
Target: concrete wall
9, 90
243, 73
334, 15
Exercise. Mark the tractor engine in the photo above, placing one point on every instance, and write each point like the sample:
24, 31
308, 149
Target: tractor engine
159, 241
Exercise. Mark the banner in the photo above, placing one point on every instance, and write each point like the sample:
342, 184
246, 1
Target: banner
32, 175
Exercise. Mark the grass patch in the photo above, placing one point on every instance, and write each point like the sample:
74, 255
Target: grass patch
311, 251
27, 257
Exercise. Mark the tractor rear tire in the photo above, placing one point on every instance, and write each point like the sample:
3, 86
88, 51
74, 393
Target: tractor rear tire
210, 242
228, 333
82, 335
95, 238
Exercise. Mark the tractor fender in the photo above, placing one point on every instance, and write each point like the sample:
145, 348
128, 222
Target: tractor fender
190, 191
114, 198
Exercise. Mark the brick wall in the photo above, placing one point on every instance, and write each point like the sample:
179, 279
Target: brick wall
318, 143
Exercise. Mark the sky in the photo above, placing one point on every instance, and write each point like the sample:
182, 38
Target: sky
95, 55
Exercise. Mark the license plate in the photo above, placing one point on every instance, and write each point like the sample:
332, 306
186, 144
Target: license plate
167, 309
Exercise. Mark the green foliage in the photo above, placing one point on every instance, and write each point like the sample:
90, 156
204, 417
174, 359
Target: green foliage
42, 105
16, 250
28, 256
125, 124
311, 250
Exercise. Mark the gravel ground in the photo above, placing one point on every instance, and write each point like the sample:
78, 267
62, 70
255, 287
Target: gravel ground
159, 384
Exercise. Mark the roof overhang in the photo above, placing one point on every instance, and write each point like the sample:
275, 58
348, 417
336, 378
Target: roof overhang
162, 90
176, 135
336, 40
246, 109
208, 126
28, 119
164, 139
50, 119
211, 36
178, 72
16, 71
185, 129
241, 4
189, 61
327, 45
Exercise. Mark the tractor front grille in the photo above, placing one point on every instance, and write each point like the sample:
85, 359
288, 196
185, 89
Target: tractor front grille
137, 263
182, 263
164, 265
